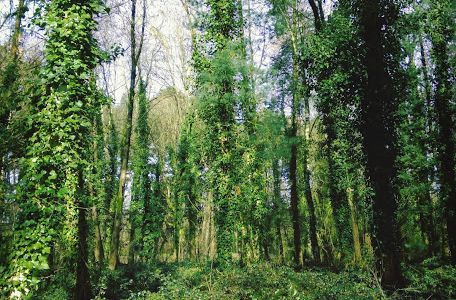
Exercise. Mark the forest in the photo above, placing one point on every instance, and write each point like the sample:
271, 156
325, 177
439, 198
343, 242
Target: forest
227, 149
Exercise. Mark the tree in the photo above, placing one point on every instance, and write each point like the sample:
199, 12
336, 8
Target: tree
217, 107
442, 25
290, 21
142, 183
336, 75
53, 197
126, 139
378, 108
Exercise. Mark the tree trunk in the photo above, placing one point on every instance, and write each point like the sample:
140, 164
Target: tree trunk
312, 215
280, 242
317, 14
82, 290
378, 108
17, 29
147, 209
277, 207
98, 248
355, 229
294, 201
206, 226
293, 135
441, 38
95, 185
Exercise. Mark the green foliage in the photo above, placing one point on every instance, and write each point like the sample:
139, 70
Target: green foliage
217, 100
416, 208
431, 280
223, 22
222, 97
335, 63
57, 153
259, 281
142, 182
111, 169
214, 168
128, 280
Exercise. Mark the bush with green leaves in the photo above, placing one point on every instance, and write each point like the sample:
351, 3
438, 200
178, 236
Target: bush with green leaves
431, 280
259, 281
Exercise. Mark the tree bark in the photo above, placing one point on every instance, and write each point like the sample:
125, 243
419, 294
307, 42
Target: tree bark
312, 215
444, 82
294, 202
317, 14
377, 112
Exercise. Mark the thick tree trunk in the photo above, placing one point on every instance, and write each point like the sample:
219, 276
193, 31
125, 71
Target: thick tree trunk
378, 109
293, 135
307, 187
156, 205
277, 207
96, 184
206, 226
110, 185
334, 193
272, 220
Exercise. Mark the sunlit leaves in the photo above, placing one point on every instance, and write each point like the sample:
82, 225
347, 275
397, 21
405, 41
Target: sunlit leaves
58, 151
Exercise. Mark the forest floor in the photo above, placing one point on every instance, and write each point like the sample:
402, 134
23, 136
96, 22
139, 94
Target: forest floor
263, 281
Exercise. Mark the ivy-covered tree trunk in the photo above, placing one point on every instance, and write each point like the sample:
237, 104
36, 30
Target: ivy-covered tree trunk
53, 198
293, 135
294, 198
142, 186
327, 114
186, 184
442, 33
355, 228
312, 216
377, 112
307, 186
113, 152
96, 188
219, 115
83, 289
